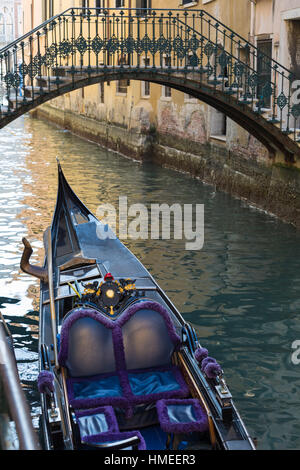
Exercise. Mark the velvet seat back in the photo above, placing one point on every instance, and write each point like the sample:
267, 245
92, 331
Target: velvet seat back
142, 337
88, 349
147, 342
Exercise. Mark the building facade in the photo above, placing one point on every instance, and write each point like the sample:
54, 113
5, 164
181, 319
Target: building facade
140, 106
11, 21
147, 120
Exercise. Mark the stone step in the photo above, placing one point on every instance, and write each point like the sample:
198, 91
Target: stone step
248, 100
267, 111
233, 90
20, 100
52, 79
61, 71
217, 80
291, 131
38, 90
274, 121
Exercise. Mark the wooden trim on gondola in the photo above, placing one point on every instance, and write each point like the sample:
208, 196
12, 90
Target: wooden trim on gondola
77, 263
197, 394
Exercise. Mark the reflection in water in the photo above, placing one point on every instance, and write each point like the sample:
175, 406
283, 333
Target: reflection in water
240, 292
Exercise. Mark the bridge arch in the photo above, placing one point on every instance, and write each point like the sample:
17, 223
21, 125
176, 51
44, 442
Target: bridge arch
269, 135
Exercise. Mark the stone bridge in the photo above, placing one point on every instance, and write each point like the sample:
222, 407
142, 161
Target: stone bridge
190, 51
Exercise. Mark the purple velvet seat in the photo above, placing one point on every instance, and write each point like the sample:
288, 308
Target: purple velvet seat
98, 427
181, 417
97, 421
123, 362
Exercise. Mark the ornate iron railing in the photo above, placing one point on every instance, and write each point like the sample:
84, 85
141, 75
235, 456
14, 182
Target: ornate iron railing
90, 41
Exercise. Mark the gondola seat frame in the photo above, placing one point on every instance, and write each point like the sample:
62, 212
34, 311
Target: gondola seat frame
98, 428
126, 386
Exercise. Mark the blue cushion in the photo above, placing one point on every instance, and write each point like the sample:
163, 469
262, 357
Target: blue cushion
147, 383
93, 424
181, 413
181, 416
101, 388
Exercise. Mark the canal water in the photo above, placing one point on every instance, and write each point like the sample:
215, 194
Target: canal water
240, 292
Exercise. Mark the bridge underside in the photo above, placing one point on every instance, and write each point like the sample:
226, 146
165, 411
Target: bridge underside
267, 133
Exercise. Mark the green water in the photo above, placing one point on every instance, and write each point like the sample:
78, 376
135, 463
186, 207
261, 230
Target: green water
241, 291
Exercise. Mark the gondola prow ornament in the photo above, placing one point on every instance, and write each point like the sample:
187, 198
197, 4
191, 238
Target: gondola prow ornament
36, 271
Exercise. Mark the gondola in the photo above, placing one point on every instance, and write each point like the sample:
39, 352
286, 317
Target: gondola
120, 368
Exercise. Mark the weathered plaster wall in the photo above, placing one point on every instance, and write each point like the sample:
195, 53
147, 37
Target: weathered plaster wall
241, 169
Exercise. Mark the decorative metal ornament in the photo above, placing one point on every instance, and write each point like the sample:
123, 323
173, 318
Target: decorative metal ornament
238, 69
129, 45
194, 43
295, 111
209, 49
179, 47
81, 44
282, 100
12, 80
223, 59
97, 44
112, 44
65, 48
253, 80
163, 45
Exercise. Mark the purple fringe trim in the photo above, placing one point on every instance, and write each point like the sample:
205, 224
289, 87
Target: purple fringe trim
200, 425
212, 370
115, 436
200, 354
206, 361
45, 382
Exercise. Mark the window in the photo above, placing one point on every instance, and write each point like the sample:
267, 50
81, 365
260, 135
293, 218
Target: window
166, 90
264, 69
124, 83
51, 8
2, 25
120, 3
145, 86
85, 6
122, 87
9, 30
145, 89
45, 12
99, 3
218, 123
142, 7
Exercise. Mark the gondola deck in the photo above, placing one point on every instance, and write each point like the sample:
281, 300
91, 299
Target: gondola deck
119, 366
